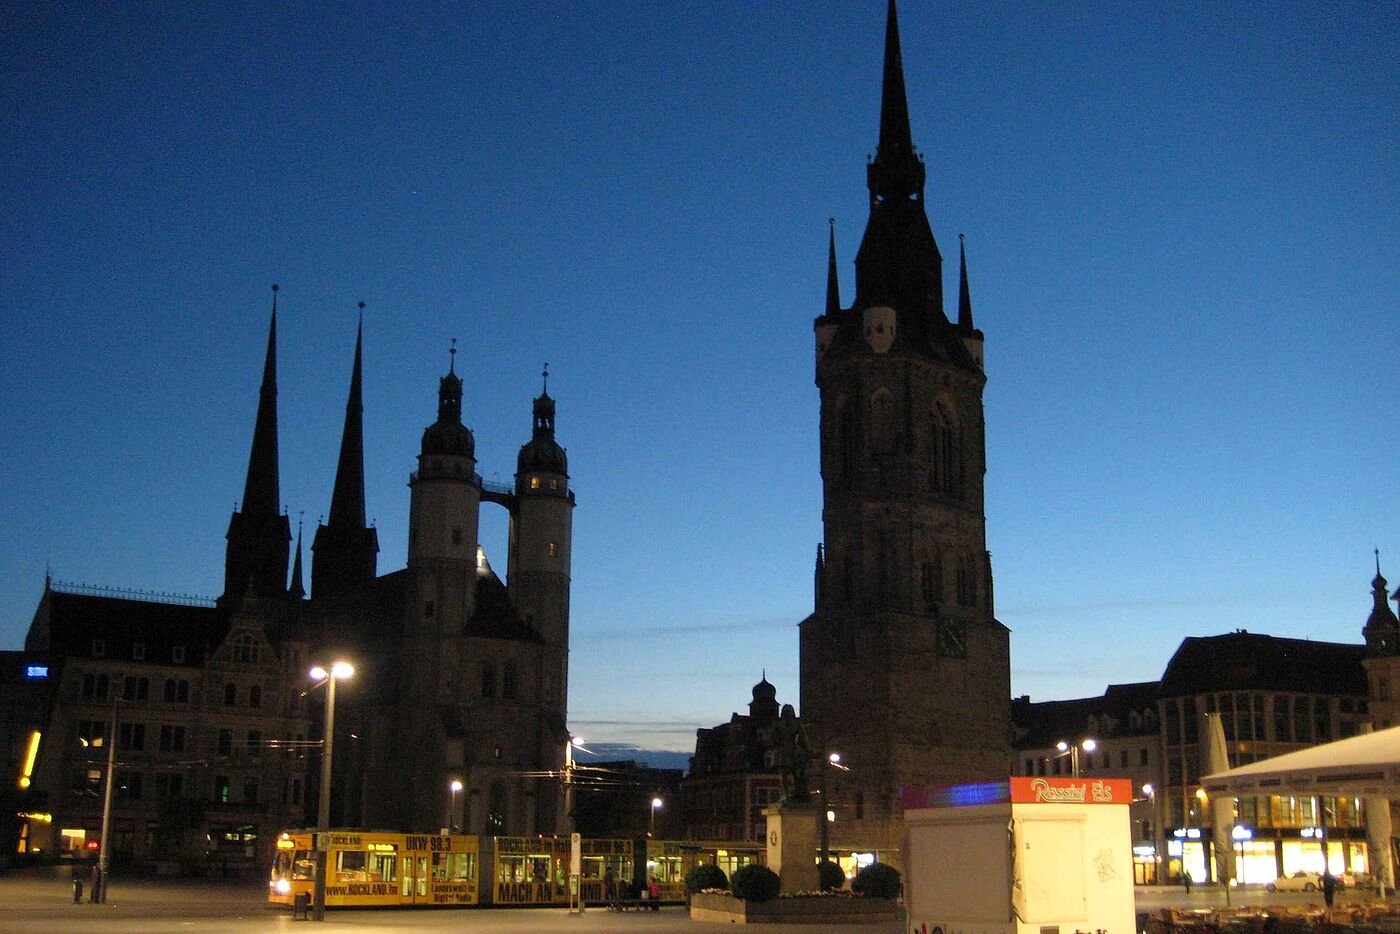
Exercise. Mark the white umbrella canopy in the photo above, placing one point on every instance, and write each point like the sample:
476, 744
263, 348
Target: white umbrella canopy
1366, 765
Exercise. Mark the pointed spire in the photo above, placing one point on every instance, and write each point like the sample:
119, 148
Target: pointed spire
964, 296
261, 492
833, 284
348, 496
298, 588
896, 140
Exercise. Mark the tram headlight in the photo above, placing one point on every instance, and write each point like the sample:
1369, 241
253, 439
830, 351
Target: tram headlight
283, 886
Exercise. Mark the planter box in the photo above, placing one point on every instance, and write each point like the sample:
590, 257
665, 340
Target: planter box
726, 909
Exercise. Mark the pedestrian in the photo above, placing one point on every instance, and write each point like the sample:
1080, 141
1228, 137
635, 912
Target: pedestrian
1329, 888
654, 890
1186, 880
610, 886
77, 888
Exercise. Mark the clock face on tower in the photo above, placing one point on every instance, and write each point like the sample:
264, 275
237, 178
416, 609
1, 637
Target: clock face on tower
952, 638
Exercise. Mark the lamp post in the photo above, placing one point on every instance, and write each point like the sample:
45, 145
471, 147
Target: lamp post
99, 882
339, 671
832, 761
454, 789
651, 825
1088, 745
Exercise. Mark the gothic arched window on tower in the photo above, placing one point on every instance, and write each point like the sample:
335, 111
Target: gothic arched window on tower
847, 445
488, 680
510, 681
967, 583
945, 453
882, 422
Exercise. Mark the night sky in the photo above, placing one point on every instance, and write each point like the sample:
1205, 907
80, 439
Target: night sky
1182, 236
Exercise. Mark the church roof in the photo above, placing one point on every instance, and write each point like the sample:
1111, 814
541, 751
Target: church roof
71, 622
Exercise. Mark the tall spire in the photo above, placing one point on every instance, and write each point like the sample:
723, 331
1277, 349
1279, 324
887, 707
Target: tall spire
261, 494
258, 532
298, 588
344, 547
348, 496
964, 297
833, 284
896, 140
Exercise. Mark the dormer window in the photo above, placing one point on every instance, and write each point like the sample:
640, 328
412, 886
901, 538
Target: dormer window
245, 648
99, 648
177, 654
138, 651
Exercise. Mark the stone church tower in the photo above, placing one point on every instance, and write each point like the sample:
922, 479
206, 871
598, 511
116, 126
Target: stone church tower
904, 669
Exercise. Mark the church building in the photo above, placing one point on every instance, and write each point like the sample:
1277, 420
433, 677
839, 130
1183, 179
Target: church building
905, 670
459, 676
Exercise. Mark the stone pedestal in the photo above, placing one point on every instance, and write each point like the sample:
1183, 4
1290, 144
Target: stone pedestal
792, 845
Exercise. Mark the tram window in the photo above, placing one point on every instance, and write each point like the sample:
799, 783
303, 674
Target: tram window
304, 866
350, 866
454, 867
383, 867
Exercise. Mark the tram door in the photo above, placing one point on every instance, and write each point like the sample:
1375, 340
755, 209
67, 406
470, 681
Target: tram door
415, 880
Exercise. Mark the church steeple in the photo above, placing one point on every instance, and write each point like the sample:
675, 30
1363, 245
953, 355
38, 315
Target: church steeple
964, 296
258, 533
345, 550
899, 265
298, 588
833, 283
1382, 630
261, 491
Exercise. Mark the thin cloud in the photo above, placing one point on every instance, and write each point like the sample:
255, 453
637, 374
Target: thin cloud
651, 631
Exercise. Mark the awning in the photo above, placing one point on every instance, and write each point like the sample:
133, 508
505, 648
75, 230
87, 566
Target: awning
1362, 766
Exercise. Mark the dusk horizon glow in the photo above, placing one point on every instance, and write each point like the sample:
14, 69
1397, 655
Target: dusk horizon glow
1182, 247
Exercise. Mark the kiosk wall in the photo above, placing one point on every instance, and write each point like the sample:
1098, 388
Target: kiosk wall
1027, 856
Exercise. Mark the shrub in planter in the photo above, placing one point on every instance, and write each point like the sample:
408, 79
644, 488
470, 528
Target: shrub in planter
830, 876
755, 883
705, 876
878, 880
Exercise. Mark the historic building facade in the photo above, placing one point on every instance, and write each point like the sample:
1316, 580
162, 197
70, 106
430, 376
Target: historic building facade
904, 668
460, 676
1273, 696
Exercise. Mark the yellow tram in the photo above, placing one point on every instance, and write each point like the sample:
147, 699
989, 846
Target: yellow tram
365, 868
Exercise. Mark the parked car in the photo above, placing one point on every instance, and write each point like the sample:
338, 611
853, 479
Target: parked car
1301, 881
1355, 880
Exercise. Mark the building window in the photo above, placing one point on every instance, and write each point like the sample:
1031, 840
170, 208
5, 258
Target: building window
488, 680
245, 649
509, 681
225, 742
250, 791
94, 686
1383, 688
553, 550
134, 688
169, 785
138, 651
496, 810
221, 786
295, 793
534, 483
99, 648
428, 609
255, 696
254, 742
131, 737
1142, 756
127, 784
456, 536
177, 655
91, 732
230, 694
172, 739
1123, 759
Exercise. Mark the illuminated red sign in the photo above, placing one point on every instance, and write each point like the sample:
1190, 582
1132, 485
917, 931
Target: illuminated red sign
1071, 790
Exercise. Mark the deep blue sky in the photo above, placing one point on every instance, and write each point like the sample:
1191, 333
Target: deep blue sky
1181, 224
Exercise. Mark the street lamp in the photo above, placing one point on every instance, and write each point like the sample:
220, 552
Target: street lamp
651, 827
455, 787
339, 671
1088, 745
832, 761
99, 882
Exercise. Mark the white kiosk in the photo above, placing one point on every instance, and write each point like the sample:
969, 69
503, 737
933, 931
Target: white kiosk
1026, 856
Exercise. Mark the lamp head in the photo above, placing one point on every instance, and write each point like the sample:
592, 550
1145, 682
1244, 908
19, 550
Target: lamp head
1089, 745
834, 758
456, 786
318, 673
1062, 746
342, 670
656, 802
1148, 790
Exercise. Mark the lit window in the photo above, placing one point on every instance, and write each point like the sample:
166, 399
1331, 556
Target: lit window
553, 550
534, 483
